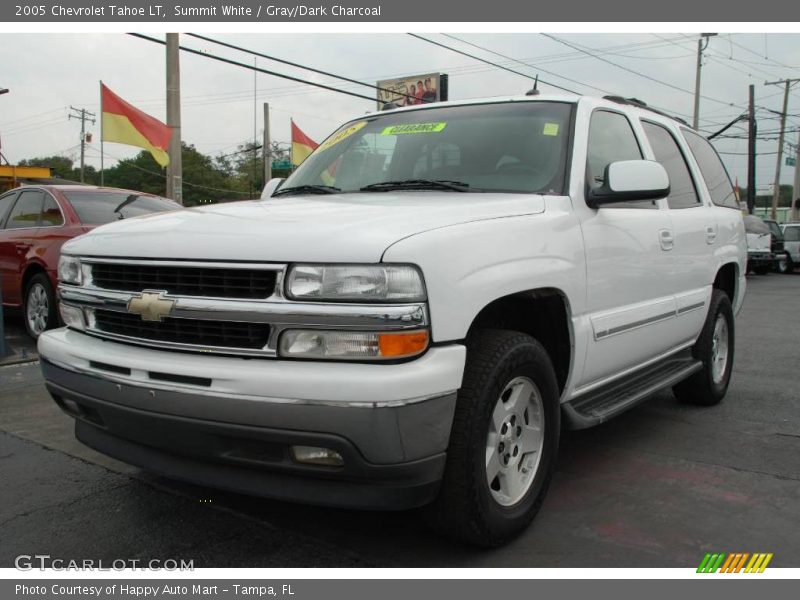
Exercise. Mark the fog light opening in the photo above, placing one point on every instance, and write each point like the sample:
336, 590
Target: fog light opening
314, 455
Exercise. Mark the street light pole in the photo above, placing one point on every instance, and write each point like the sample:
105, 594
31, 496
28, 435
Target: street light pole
702, 44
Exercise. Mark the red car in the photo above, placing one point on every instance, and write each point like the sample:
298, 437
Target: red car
36, 220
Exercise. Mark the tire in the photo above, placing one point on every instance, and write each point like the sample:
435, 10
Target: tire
708, 386
784, 264
39, 309
502, 366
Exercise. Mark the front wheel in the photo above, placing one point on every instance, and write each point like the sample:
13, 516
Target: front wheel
503, 443
40, 306
714, 349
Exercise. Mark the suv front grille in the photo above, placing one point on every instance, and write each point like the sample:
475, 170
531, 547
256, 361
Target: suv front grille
196, 332
210, 282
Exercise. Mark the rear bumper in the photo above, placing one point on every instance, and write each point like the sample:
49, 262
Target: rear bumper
255, 459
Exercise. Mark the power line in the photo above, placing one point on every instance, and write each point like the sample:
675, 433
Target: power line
254, 68
633, 71
488, 62
294, 64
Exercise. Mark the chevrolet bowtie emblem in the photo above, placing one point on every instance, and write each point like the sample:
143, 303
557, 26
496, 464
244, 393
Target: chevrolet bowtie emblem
151, 305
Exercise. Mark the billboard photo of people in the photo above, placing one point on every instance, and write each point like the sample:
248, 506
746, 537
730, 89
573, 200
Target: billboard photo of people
409, 91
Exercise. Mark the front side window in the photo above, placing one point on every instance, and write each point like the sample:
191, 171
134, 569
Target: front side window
611, 139
5, 206
682, 193
26, 211
507, 147
714, 173
791, 234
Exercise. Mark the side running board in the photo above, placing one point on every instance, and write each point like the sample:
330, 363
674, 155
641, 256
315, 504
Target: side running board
597, 406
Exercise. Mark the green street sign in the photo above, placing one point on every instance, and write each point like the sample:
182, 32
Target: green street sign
791, 161
281, 165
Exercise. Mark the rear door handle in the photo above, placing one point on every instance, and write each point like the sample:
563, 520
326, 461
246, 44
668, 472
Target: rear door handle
711, 234
666, 239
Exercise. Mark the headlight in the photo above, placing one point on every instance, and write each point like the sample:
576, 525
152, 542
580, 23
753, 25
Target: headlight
357, 283
69, 270
352, 345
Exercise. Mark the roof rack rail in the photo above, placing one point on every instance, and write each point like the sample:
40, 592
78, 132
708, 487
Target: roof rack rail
641, 104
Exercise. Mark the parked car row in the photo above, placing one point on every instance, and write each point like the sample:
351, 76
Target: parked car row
770, 246
35, 221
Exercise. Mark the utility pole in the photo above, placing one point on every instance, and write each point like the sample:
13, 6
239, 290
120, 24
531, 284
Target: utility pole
776, 193
795, 212
267, 146
751, 152
702, 44
83, 115
175, 167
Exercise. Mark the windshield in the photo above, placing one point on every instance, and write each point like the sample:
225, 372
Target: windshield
507, 147
97, 208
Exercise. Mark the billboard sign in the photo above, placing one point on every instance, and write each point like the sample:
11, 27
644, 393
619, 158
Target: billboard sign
408, 91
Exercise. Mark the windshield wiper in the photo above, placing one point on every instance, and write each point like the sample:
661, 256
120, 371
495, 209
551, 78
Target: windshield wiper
417, 184
129, 200
307, 189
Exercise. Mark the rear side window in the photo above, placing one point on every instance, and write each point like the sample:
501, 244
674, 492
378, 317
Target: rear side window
51, 214
682, 193
5, 206
714, 173
26, 211
791, 234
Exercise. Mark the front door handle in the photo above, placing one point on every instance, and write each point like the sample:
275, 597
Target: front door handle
666, 239
711, 234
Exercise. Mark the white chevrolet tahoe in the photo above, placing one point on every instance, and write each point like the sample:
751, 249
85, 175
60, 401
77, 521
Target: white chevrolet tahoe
412, 316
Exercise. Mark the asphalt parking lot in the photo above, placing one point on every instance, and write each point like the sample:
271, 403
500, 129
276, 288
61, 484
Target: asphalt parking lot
660, 486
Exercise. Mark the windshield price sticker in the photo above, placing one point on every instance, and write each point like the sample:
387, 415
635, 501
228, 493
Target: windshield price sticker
550, 129
414, 128
342, 135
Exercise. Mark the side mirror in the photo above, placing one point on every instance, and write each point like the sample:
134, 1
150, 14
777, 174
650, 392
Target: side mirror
628, 180
271, 187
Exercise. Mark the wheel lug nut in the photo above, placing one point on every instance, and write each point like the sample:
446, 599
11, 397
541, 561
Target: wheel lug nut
513, 420
519, 431
506, 458
504, 429
516, 450
501, 447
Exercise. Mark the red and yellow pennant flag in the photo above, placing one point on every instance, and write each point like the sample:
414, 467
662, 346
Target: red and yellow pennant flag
126, 124
302, 145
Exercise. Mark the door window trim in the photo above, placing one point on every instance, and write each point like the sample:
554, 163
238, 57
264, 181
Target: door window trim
12, 194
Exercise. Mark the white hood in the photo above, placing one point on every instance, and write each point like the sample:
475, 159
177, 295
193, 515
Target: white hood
329, 228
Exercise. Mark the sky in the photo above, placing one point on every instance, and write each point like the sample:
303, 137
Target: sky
222, 104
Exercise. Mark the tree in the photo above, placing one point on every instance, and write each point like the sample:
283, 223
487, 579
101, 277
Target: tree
203, 179
63, 167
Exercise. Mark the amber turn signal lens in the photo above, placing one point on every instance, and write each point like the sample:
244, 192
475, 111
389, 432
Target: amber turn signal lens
399, 345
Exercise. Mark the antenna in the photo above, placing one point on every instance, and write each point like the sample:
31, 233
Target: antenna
535, 90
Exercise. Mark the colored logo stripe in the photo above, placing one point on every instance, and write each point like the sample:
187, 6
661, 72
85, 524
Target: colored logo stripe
734, 563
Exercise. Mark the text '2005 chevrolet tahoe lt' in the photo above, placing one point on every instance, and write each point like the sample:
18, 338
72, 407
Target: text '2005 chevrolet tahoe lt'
411, 317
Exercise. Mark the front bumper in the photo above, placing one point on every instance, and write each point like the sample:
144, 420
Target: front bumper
223, 435
760, 259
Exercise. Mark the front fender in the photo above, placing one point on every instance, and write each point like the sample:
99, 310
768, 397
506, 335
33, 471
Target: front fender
468, 266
